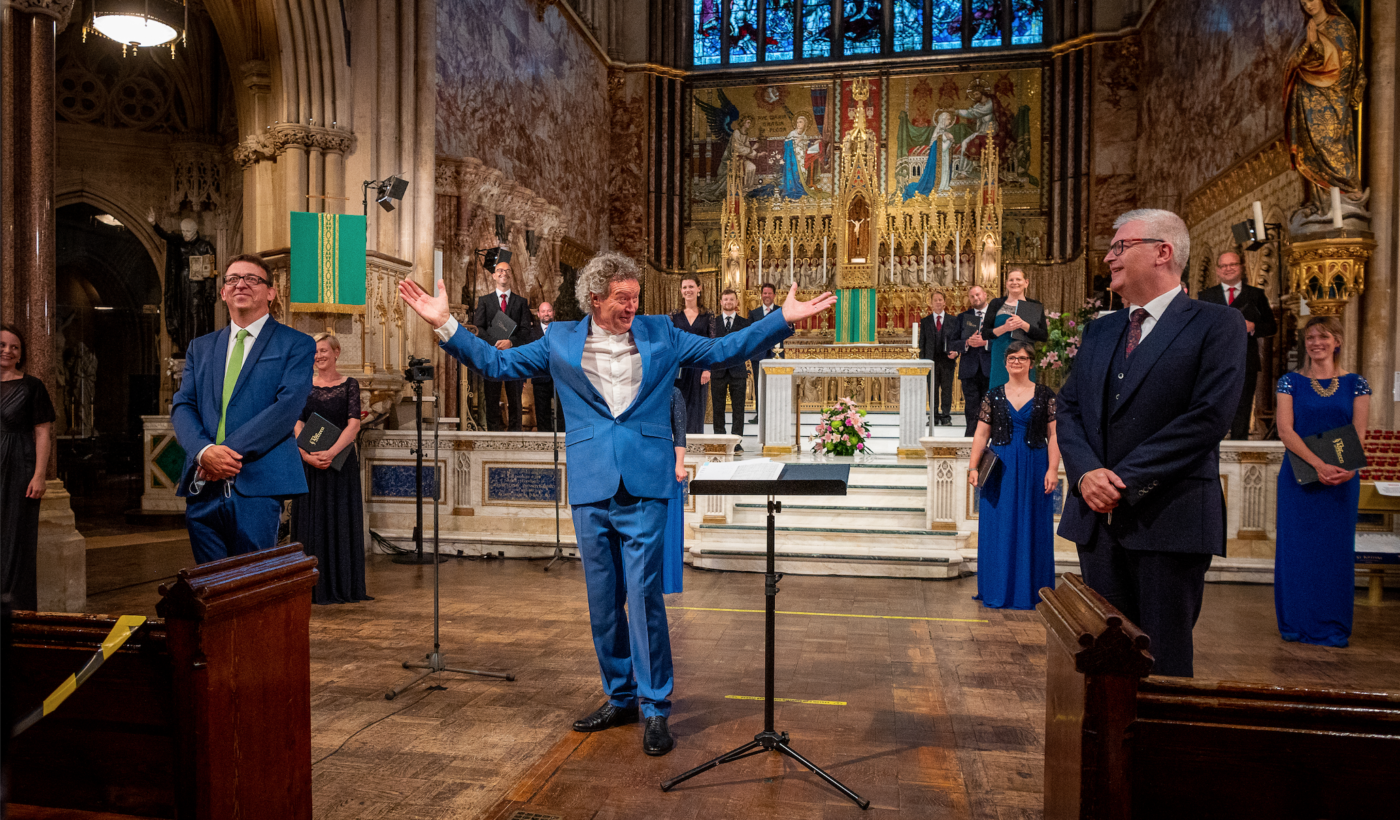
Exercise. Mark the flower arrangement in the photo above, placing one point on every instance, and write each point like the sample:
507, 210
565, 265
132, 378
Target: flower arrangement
842, 430
1055, 355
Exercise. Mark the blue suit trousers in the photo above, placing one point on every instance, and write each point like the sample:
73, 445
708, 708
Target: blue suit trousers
224, 524
621, 543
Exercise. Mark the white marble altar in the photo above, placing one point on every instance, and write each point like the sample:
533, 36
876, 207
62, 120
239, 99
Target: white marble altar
777, 428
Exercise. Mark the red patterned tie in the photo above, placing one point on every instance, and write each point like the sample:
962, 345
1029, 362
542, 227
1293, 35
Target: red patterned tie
1232, 295
503, 303
938, 324
1135, 330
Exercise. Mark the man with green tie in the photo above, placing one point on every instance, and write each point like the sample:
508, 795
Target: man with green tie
243, 390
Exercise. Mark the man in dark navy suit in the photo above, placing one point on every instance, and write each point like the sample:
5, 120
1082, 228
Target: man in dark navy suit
975, 369
517, 309
767, 292
543, 386
243, 390
934, 331
728, 381
1140, 420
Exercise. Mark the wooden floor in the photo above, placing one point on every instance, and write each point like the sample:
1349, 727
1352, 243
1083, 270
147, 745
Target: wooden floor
908, 691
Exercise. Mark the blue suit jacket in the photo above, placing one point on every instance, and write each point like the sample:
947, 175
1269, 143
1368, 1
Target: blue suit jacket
1163, 440
262, 412
635, 447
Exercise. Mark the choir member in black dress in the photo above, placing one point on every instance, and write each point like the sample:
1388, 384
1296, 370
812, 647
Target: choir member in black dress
692, 318
25, 440
329, 520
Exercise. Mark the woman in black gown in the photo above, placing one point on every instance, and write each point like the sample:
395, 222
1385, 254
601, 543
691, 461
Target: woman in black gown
329, 520
692, 382
25, 440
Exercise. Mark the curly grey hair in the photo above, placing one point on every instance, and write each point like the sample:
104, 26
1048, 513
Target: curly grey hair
599, 274
1163, 225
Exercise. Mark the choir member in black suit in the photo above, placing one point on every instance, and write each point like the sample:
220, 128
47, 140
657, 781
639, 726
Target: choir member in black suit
975, 369
1253, 303
517, 309
731, 381
692, 318
935, 330
543, 386
767, 293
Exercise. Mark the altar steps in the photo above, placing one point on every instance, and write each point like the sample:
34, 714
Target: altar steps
877, 530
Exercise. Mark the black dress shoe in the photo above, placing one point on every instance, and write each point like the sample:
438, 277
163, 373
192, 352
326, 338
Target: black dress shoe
657, 739
606, 717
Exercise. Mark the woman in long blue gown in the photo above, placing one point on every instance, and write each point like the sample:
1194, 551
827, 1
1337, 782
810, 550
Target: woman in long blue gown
1016, 516
1315, 550
1002, 325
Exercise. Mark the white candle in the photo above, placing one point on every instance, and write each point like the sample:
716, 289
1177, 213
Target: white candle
823, 260
925, 257
791, 276
915, 342
760, 259
1336, 207
891, 258
957, 255
1260, 232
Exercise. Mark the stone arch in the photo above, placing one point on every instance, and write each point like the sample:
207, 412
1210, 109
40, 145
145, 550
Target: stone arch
128, 210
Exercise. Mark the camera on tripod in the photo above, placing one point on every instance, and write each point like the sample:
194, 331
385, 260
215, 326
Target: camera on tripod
418, 370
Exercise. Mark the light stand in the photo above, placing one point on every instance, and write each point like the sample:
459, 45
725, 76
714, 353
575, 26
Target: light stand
435, 660
418, 371
558, 485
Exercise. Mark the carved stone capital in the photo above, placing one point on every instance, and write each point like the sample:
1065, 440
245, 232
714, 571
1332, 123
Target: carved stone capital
278, 138
59, 10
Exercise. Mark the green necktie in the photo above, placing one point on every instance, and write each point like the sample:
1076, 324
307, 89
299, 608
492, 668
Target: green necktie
235, 364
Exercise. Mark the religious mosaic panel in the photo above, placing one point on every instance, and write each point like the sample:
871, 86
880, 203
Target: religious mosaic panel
940, 125
779, 135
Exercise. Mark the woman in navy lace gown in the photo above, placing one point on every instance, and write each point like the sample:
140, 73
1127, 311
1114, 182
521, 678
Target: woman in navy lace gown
1016, 517
329, 520
692, 382
1315, 550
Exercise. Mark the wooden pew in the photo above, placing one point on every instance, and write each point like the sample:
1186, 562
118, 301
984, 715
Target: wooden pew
1120, 744
205, 714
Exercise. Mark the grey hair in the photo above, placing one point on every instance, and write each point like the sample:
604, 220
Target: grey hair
599, 274
1163, 225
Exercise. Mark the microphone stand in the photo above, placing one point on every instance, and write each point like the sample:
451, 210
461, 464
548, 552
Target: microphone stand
436, 660
558, 486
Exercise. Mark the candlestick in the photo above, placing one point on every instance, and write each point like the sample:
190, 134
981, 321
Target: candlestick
823, 262
760, 259
791, 276
957, 255
1336, 207
925, 279
1260, 232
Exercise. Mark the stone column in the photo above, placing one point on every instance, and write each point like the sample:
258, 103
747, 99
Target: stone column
913, 416
1378, 339
27, 64
780, 434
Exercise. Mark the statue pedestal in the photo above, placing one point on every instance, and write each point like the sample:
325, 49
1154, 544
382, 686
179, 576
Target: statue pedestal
62, 559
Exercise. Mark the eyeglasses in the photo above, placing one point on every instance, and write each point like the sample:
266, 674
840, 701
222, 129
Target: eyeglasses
1121, 245
1018, 358
1227, 267
247, 279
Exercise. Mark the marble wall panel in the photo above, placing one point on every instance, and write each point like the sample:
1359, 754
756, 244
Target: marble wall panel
527, 96
1211, 89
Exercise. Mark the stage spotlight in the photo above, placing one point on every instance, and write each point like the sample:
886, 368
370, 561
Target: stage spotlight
1245, 235
391, 190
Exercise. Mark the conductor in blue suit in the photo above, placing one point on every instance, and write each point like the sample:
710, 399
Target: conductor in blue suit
613, 373
243, 390
1153, 391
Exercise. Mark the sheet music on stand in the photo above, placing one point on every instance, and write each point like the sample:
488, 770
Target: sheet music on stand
757, 469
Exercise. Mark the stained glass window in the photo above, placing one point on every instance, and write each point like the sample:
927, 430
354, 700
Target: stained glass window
707, 32
778, 35
946, 21
986, 23
1027, 23
861, 21
908, 25
816, 28
743, 31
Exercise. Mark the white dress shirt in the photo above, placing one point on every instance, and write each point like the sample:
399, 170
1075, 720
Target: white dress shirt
254, 328
612, 363
729, 320
1155, 309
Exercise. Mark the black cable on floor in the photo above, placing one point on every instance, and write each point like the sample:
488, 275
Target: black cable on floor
374, 723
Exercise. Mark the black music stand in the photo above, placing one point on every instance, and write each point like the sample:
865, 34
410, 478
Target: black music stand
796, 479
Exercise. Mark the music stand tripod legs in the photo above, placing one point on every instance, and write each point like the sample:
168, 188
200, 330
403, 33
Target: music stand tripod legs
768, 740
436, 661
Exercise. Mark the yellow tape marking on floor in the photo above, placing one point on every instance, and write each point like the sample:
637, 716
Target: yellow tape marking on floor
838, 615
788, 700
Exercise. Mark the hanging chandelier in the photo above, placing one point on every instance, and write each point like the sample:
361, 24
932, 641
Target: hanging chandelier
140, 23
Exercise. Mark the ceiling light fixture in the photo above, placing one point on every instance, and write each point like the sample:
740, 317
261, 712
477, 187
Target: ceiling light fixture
140, 23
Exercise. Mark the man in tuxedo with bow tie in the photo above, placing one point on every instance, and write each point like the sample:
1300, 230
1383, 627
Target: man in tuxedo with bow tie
1139, 421
614, 373
235, 412
517, 309
1253, 305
